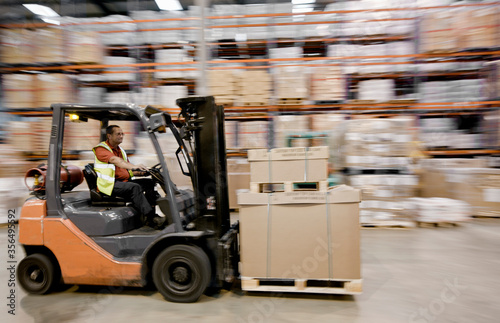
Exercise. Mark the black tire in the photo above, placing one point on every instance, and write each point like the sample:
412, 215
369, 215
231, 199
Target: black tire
37, 274
181, 273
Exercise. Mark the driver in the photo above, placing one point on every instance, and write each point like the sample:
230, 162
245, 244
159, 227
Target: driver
115, 176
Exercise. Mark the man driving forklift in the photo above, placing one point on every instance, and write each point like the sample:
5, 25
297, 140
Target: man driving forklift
115, 177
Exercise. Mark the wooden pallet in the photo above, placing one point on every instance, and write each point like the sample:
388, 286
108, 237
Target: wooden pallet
290, 101
346, 287
225, 104
487, 214
389, 224
254, 104
437, 224
256, 187
362, 102
327, 102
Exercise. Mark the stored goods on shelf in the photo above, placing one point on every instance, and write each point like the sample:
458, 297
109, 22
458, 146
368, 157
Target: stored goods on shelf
125, 73
253, 88
377, 90
231, 134
91, 95
84, 47
82, 136
439, 31
480, 187
167, 95
438, 210
253, 134
490, 128
19, 91
49, 45
54, 88
379, 142
478, 28
493, 80
16, 46
41, 136
21, 134
171, 56
222, 85
286, 124
159, 36
290, 82
383, 197
327, 84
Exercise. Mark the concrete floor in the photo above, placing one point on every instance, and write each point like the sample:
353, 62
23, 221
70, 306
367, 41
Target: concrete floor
410, 275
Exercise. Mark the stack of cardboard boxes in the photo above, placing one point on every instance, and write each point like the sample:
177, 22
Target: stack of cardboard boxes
384, 198
50, 45
478, 28
377, 158
54, 88
468, 180
253, 88
16, 46
167, 96
327, 84
309, 238
82, 136
84, 47
438, 210
286, 125
35, 91
438, 32
253, 134
222, 86
379, 143
19, 91
459, 29
290, 84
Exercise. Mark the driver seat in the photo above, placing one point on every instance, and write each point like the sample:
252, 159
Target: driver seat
96, 197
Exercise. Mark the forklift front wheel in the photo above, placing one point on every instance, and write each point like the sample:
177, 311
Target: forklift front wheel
182, 273
37, 274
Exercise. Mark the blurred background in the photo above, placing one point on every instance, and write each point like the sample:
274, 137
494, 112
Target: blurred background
404, 93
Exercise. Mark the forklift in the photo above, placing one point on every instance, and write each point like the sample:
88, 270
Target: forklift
88, 238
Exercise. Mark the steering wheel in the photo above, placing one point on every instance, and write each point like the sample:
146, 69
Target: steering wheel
155, 172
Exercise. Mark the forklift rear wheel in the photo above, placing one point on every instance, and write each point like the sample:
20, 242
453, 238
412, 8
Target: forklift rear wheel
182, 273
37, 274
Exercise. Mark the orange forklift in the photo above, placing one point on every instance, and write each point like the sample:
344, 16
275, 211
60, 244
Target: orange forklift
87, 238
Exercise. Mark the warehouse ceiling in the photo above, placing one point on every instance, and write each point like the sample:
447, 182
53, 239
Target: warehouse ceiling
14, 11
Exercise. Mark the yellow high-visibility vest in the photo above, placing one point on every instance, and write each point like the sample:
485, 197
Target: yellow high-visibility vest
105, 171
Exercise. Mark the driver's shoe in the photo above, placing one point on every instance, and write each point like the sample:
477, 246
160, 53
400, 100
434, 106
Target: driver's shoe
155, 222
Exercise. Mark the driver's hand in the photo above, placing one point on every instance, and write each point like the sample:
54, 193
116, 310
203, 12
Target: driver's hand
141, 167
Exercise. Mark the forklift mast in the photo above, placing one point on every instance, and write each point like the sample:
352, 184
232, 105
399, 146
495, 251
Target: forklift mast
204, 124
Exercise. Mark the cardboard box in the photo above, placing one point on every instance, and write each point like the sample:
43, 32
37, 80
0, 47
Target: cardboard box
84, 47
16, 46
289, 164
327, 224
480, 187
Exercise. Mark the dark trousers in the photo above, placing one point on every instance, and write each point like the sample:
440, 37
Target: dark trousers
140, 192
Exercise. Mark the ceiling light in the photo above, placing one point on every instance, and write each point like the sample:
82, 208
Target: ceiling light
41, 10
168, 4
302, 8
303, 1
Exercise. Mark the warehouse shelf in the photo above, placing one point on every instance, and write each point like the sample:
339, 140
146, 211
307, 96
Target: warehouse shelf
245, 54
462, 152
9, 68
